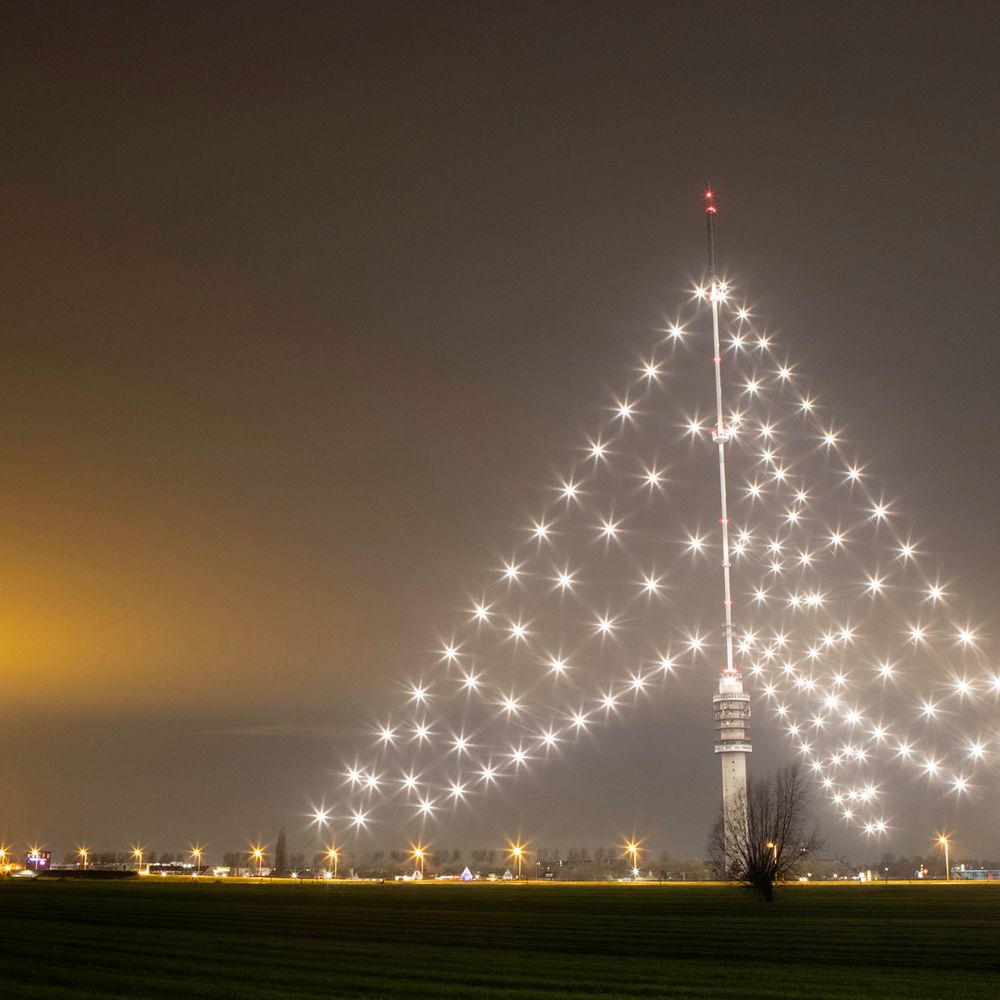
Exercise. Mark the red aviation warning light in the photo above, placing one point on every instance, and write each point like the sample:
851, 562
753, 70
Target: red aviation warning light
710, 208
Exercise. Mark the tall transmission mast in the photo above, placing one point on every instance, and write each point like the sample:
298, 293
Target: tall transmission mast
731, 705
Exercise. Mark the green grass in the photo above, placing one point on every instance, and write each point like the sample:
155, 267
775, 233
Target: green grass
142, 939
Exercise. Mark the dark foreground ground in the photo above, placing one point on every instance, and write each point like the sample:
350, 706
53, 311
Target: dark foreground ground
157, 940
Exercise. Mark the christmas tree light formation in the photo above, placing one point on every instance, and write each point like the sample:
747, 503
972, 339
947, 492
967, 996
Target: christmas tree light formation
847, 635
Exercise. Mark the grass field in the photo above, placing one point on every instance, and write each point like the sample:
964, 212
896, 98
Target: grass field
142, 939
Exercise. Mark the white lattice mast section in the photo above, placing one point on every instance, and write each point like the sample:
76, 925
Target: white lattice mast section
731, 704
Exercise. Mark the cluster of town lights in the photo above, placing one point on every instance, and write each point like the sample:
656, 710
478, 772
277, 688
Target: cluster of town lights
516, 853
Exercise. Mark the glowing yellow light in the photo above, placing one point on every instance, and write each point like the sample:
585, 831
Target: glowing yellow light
945, 842
632, 850
418, 853
517, 852
257, 854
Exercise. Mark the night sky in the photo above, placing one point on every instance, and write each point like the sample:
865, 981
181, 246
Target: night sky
301, 303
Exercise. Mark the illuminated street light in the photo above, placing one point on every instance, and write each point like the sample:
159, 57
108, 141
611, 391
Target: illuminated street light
84, 855
333, 855
257, 853
419, 853
517, 852
945, 842
774, 848
196, 854
321, 817
137, 854
632, 850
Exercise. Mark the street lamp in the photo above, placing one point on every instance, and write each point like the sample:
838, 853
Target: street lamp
419, 853
320, 817
84, 854
632, 849
943, 840
517, 852
257, 853
333, 855
137, 854
196, 854
774, 849
3, 859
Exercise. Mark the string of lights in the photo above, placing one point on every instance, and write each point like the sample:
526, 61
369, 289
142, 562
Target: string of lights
844, 629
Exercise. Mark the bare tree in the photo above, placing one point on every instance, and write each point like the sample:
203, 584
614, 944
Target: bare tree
767, 838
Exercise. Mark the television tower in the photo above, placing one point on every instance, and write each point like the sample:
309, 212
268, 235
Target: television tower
731, 705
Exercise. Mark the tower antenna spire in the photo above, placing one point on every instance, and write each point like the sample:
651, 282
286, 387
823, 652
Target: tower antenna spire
710, 211
731, 705
721, 433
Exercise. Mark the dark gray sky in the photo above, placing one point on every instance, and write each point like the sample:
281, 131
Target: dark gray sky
301, 304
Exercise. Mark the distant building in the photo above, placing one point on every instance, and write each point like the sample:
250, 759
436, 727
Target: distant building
38, 861
977, 874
